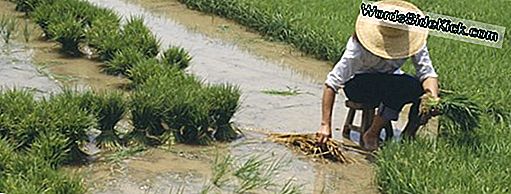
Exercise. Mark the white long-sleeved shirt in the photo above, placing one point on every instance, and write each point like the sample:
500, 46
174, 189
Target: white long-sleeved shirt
356, 60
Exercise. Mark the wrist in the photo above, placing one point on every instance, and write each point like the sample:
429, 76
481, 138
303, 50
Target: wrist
431, 92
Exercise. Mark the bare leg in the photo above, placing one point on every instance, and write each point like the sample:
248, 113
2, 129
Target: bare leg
372, 135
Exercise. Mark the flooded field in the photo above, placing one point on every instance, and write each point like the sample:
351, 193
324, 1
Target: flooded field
222, 52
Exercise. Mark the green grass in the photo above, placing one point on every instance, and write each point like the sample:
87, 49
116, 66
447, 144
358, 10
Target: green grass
459, 161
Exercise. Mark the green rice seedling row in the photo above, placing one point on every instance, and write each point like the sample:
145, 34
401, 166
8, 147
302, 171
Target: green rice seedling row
166, 104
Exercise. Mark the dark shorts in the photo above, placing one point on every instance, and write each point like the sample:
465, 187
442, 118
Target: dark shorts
390, 90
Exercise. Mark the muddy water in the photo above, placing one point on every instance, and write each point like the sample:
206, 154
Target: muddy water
18, 71
66, 71
229, 31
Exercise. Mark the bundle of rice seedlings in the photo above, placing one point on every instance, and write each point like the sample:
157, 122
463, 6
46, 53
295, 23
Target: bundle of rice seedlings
190, 120
176, 56
136, 35
7, 28
145, 69
186, 112
109, 110
223, 101
123, 61
107, 107
32, 174
30, 5
6, 155
147, 114
51, 147
68, 118
307, 144
43, 16
28, 129
104, 34
20, 119
456, 108
60, 11
14, 106
69, 32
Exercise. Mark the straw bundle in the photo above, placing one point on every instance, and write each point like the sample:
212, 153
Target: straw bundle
307, 144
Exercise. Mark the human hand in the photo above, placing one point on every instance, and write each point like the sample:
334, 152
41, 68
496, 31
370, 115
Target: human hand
324, 133
431, 107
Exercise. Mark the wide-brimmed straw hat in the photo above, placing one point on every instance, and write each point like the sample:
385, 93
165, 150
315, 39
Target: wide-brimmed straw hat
391, 40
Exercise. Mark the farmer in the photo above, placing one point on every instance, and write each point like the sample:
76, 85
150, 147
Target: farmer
369, 73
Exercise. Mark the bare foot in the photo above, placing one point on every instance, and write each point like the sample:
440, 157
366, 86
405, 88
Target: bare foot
370, 142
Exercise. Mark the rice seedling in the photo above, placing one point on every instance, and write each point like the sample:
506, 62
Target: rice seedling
223, 100
69, 32
189, 118
51, 147
43, 16
146, 112
29, 174
176, 56
104, 33
30, 5
186, 113
109, 110
123, 61
290, 188
463, 112
6, 156
7, 28
71, 120
124, 153
289, 92
221, 168
136, 35
255, 173
15, 105
145, 69
27, 31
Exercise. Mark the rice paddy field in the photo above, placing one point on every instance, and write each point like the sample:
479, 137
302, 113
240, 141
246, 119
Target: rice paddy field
458, 161
156, 102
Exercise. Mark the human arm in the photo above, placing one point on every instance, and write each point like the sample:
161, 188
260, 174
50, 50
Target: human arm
341, 72
429, 78
327, 103
426, 72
